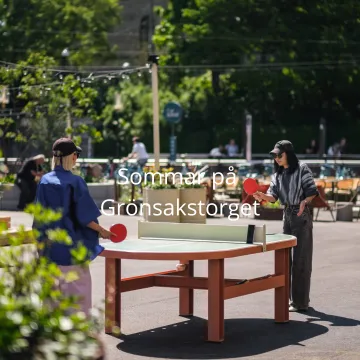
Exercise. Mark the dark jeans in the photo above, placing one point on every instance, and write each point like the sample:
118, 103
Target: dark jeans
301, 255
27, 193
142, 162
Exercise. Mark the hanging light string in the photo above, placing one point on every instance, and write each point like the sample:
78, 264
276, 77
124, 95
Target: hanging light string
107, 76
10, 65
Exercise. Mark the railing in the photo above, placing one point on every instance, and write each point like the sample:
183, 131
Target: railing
198, 159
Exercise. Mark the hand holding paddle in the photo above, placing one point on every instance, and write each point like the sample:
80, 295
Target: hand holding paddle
258, 196
105, 234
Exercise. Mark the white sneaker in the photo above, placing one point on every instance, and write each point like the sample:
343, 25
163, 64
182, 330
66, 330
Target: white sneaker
293, 308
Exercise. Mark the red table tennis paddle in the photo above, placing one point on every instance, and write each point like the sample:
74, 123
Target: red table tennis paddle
251, 187
120, 232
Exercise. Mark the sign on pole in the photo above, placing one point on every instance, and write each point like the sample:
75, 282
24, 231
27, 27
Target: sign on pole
173, 112
248, 137
172, 148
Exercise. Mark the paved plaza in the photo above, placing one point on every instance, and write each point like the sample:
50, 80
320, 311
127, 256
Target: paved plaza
152, 328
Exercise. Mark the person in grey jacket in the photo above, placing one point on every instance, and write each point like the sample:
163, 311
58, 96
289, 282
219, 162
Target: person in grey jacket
294, 186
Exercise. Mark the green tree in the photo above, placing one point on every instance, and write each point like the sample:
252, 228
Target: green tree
133, 115
129, 111
288, 65
82, 27
50, 105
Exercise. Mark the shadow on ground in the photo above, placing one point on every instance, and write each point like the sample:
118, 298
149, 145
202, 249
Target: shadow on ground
243, 337
333, 320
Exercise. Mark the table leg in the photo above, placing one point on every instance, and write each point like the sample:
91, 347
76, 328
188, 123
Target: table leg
186, 296
112, 294
282, 259
216, 300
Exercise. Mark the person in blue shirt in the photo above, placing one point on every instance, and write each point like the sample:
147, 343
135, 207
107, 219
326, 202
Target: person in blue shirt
61, 190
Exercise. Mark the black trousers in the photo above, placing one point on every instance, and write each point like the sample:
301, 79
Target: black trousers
27, 193
301, 255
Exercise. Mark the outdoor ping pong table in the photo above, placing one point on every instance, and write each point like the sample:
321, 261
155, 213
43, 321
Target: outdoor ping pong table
186, 243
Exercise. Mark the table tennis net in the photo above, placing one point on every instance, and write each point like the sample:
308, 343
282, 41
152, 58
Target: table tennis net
202, 232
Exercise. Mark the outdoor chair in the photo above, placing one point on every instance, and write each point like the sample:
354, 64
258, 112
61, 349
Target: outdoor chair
320, 183
345, 187
320, 202
357, 193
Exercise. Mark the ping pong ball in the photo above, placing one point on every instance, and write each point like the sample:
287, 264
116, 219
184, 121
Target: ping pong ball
180, 267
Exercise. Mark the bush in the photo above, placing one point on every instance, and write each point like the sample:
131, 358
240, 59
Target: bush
275, 205
34, 315
8, 179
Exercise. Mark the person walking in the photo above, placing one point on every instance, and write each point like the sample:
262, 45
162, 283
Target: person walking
294, 186
26, 180
139, 152
61, 189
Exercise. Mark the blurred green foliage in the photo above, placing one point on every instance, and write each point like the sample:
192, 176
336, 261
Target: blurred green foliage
34, 315
275, 205
7, 179
82, 27
287, 65
47, 108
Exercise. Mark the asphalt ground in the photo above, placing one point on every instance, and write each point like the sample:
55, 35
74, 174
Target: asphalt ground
152, 329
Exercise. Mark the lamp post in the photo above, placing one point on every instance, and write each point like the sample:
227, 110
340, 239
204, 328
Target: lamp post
153, 59
248, 148
322, 137
65, 60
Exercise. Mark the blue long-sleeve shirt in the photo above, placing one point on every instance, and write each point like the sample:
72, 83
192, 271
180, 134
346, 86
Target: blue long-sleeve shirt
62, 190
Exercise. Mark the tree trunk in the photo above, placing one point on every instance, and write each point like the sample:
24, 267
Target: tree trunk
216, 81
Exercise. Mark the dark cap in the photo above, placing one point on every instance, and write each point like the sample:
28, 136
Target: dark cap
282, 146
64, 147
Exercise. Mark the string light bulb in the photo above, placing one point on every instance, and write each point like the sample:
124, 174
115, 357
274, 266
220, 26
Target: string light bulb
59, 75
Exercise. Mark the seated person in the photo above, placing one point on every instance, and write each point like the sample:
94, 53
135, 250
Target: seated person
217, 152
232, 149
